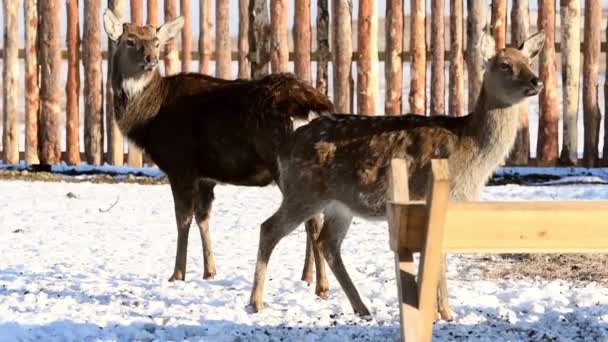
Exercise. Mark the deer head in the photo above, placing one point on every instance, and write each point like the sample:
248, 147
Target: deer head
138, 47
509, 77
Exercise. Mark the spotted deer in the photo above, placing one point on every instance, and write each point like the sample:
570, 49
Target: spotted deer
202, 130
337, 165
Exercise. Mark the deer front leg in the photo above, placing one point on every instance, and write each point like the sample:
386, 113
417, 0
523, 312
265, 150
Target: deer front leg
443, 306
309, 260
202, 213
313, 229
183, 201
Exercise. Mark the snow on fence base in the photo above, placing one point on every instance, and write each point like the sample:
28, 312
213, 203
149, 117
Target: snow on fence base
439, 226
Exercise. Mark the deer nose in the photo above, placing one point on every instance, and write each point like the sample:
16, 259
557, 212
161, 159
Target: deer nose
535, 81
149, 59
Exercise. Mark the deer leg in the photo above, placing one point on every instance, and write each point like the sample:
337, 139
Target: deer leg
183, 200
336, 223
201, 214
443, 306
313, 229
309, 260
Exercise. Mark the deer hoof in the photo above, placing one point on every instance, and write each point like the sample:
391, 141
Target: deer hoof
177, 277
363, 312
256, 306
322, 293
208, 275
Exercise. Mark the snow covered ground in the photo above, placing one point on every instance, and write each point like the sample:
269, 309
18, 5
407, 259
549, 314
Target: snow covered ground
72, 270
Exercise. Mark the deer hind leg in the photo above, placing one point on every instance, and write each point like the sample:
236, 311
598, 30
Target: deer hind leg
201, 214
337, 219
313, 229
183, 198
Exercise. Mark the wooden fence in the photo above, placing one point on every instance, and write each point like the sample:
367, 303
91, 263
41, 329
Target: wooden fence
262, 47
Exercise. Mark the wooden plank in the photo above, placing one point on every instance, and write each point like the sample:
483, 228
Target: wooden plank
279, 52
438, 61
322, 45
591, 57
456, 92
152, 13
32, 90
407, 293
499, 23
367, 64
171, 56
520, 23
342, 54
50, 73
222, 39
571, 73
186, 52
259, 39
10, 88
115, 154
393, 67
135, 157
417, 95
547, 146
72, 87
431, 252
476, 20
243, 39
302, 40
204, 39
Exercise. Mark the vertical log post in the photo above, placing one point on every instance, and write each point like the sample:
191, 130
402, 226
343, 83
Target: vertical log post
591, 59
171, 55
571, 73
302, 41
93, 111
520, 23
222, 39
32, 90
438, 64
476, 21
204, 38
50, 60
184, 8
152, 13
323, 54
342, 51
137, 13
115, 138
10, 131
456, 93
259, 38
367, 64
417, 96
279, 53
547, 146
135, 157
499, 23
393, 64
605, 149
243, 42
72, 87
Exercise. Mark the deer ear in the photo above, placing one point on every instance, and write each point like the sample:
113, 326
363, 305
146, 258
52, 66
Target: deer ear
533, 45
169, 30
112, 25
487, 46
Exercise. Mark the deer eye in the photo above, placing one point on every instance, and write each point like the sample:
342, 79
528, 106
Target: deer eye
505, 66
130, 42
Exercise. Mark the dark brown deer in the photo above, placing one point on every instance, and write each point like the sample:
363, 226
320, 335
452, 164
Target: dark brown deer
202, 130
337, 165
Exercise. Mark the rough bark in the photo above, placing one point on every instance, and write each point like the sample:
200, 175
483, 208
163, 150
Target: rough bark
152, 15
171, 55
367, 64
323, 54
417, 95
50, 60
520, 23
438, 64
186, 35
279, 53
243, 45
591, 57
393, 66
342, 51
93, 111
115, 138
72, 87
499, 23
10, 130
32, 90
205, 48
135, 157
476, 20
302, 41
222, 39
571, 66
259, 38
456, 92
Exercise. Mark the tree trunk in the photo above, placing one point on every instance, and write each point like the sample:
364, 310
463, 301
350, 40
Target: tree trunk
367, 65
417, 96
571, 74
10, 132
243, 45
93, 110
456, 92
476, 20
137, 13
186, 35
302, 41
204, 39
323, 54
152, 16
222, 39
342, 51
591, 56
499, 23
135, 157
171, 55
393, 66
438, 64
50, 61
32, 90
115, 139
72, 87
520, 23
279, 54
259, 38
